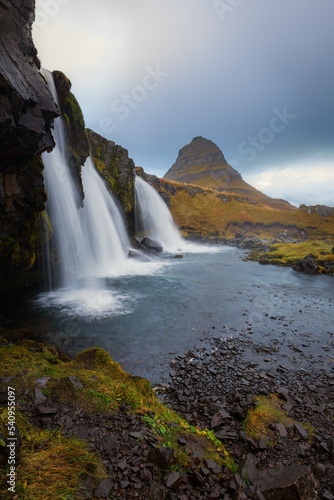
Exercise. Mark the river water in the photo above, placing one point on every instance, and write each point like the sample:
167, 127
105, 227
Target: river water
156, 310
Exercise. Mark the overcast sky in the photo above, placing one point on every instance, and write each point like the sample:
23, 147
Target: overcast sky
254, 76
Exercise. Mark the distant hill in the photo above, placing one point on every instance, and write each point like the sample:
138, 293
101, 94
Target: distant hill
203, 164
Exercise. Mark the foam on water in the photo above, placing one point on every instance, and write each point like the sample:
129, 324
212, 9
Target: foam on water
87, 302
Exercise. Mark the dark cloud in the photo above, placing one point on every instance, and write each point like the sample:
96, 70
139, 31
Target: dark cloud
225, 72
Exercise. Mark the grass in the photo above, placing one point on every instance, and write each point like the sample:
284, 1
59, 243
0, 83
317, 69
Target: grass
266, 412
288, 254
51, 465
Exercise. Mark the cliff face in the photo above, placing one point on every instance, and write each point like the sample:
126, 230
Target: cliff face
27, 111
77, 142
117, 169
202, 163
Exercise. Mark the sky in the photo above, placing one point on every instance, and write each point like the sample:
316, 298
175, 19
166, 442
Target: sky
254, 76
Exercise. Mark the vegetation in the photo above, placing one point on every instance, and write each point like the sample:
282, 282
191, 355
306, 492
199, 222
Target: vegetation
289, 254
51, 465
267, 411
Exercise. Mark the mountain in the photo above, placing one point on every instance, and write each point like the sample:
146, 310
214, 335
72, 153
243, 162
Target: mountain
203, 164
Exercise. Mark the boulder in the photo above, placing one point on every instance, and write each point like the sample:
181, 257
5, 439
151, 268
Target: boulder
307, 265
292, 482
151, 245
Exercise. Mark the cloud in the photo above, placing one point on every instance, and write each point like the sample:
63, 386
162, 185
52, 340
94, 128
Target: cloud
226, 73
310, 183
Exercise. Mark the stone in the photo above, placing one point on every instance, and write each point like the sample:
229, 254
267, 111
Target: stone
46, 410
103, 488
319, 470
162, 457
301, 431
308, 265
281, 429
42, 381
75, 382
173, 480
212, 466
136, 435
151, 245
39, 396
292, 482
157, 492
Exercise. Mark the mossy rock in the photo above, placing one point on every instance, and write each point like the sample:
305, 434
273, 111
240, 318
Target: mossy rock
77, 142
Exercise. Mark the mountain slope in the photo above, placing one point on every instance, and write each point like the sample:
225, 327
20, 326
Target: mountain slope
202, 163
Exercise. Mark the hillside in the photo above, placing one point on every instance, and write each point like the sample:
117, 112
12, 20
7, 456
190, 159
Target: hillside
202, 163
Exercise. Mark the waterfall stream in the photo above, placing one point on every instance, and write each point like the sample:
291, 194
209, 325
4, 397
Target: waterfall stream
153, 218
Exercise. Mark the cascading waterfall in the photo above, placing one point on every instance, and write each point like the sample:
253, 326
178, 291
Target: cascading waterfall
104, 225
68, 237
153, 218
89, 240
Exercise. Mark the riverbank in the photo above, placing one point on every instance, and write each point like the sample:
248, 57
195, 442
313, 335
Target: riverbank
215, 449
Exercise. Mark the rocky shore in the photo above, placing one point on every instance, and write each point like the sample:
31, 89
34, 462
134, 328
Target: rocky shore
218, 388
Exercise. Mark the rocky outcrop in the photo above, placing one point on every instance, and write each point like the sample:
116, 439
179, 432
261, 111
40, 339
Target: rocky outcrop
322, 210
118, 170
77, 142
202, 163
27, 111
307, 265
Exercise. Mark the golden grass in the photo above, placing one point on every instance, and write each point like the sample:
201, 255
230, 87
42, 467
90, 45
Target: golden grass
268, 410
288, 254
208, 215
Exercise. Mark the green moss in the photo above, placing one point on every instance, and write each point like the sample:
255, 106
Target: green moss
76, 111
104, 387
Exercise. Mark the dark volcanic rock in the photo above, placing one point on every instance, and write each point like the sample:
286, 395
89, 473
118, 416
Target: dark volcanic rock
307, 265
27, 111
151, 245
293, 482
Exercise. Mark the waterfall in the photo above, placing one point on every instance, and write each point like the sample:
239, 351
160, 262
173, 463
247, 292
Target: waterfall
104, 225
68, 240
153, 218
88, 241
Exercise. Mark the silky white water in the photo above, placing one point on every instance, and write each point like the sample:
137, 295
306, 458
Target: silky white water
154, 220
69, 243
89, 242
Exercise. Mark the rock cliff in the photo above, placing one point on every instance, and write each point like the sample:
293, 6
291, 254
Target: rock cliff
27, 111
118, 170
77, 142
202, 163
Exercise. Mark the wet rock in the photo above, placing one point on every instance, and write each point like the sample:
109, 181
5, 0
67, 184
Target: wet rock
307, 265
151, 245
